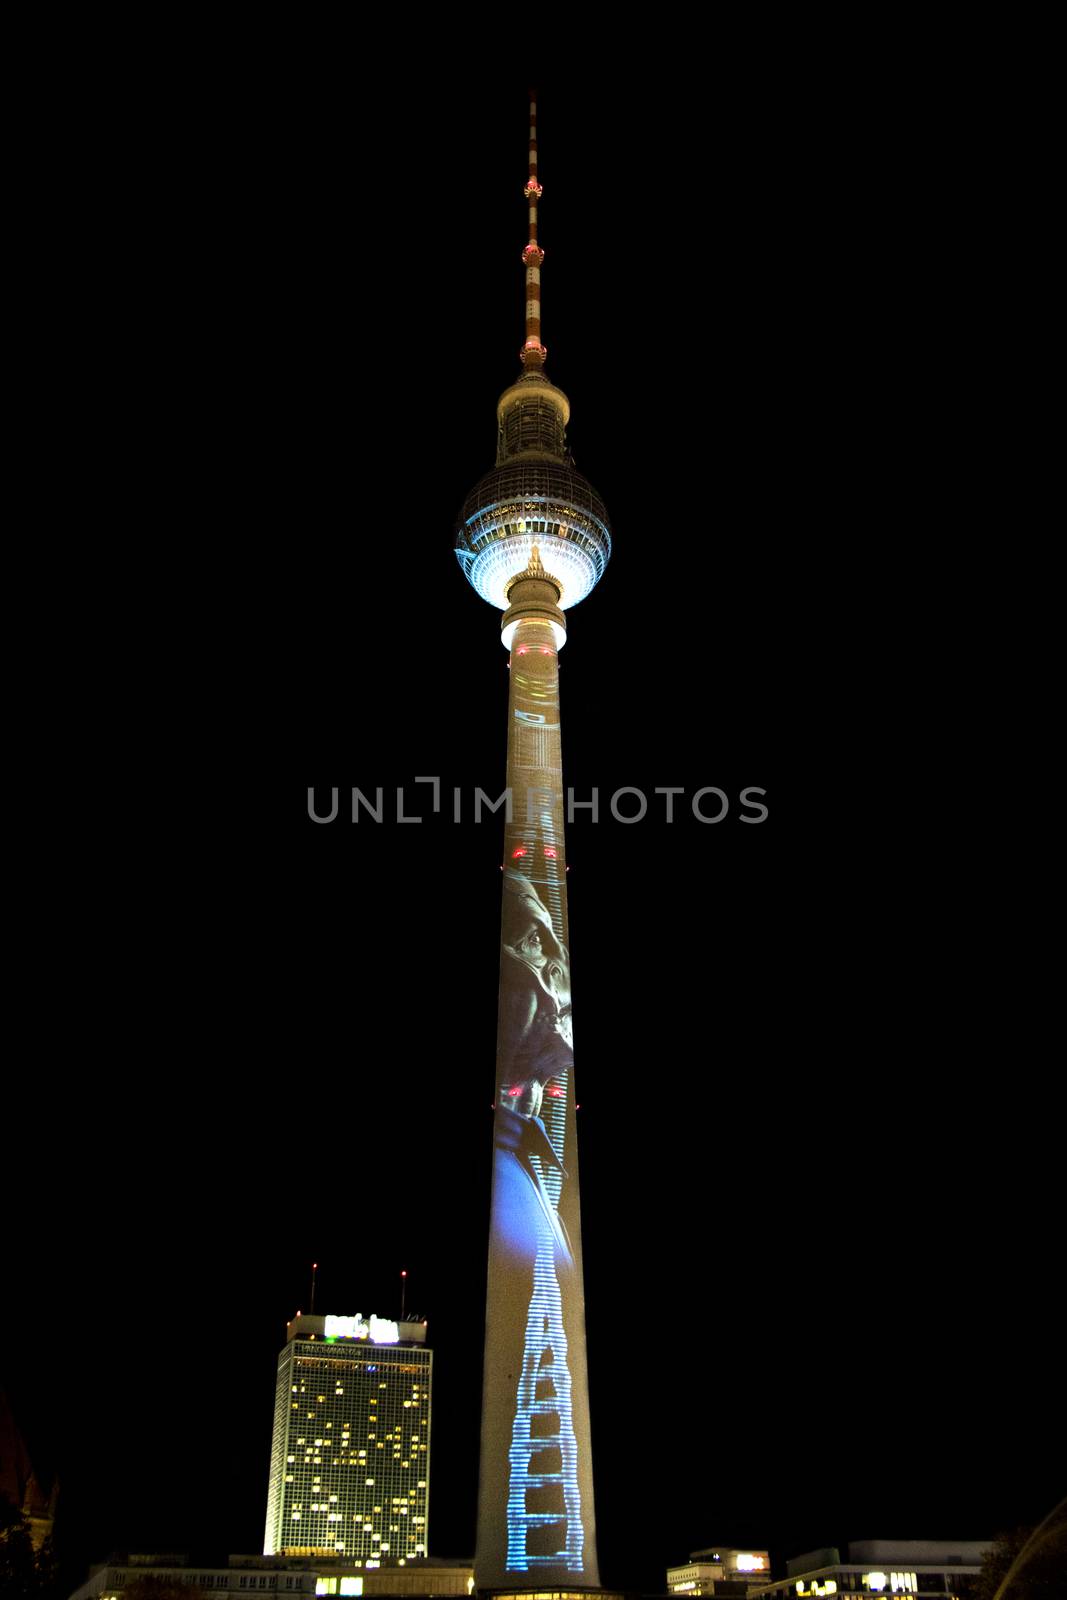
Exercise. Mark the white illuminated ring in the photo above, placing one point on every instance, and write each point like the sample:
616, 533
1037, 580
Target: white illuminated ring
502, 559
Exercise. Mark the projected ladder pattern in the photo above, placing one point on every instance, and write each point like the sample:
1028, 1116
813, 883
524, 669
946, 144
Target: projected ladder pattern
544, 1501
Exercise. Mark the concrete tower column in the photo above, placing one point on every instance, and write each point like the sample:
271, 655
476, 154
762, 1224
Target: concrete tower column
535, 1512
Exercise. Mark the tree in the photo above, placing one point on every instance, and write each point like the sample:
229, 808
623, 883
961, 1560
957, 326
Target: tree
25, 1573
1041, 1557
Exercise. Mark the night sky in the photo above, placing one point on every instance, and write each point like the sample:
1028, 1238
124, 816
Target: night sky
816, 1146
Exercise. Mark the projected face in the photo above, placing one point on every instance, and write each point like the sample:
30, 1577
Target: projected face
535, 999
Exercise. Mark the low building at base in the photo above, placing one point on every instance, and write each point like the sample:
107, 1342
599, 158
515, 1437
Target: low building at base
720, 1570
882, 1569
282, 1577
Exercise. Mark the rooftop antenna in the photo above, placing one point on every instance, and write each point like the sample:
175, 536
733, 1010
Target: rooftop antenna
403, 1291
533, 351
314, 1272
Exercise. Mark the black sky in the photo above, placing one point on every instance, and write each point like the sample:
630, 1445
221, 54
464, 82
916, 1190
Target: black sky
816, 1161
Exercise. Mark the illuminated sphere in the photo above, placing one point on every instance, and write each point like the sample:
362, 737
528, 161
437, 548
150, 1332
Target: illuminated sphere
533, 496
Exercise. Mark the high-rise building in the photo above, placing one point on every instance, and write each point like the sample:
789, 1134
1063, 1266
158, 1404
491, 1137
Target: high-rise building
350, 1455
533, 539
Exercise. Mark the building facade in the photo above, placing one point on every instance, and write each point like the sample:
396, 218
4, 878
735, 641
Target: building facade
350, 1452
280, 1577
879, 1569
720, 1570
533, 540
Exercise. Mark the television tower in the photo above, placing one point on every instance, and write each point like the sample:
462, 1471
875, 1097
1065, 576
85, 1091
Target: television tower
533, 538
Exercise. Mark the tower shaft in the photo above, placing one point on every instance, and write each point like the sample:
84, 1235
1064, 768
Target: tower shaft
535, 1505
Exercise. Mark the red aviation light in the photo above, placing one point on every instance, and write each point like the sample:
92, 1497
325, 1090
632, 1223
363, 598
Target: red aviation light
556, 1090
550, 850
519, 850
513, 1090
520, 650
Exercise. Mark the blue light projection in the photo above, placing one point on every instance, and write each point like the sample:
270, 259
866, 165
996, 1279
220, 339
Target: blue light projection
544, 1452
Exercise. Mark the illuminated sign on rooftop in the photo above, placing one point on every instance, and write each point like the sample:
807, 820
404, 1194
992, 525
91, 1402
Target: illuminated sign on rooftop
747, 1562
378, 1330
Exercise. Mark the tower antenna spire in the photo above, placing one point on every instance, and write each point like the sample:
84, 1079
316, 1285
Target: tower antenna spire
533, 352
314, 1275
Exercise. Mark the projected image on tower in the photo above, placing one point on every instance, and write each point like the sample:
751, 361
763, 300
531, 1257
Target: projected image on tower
535, 1055
533, 1264
528, 1230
